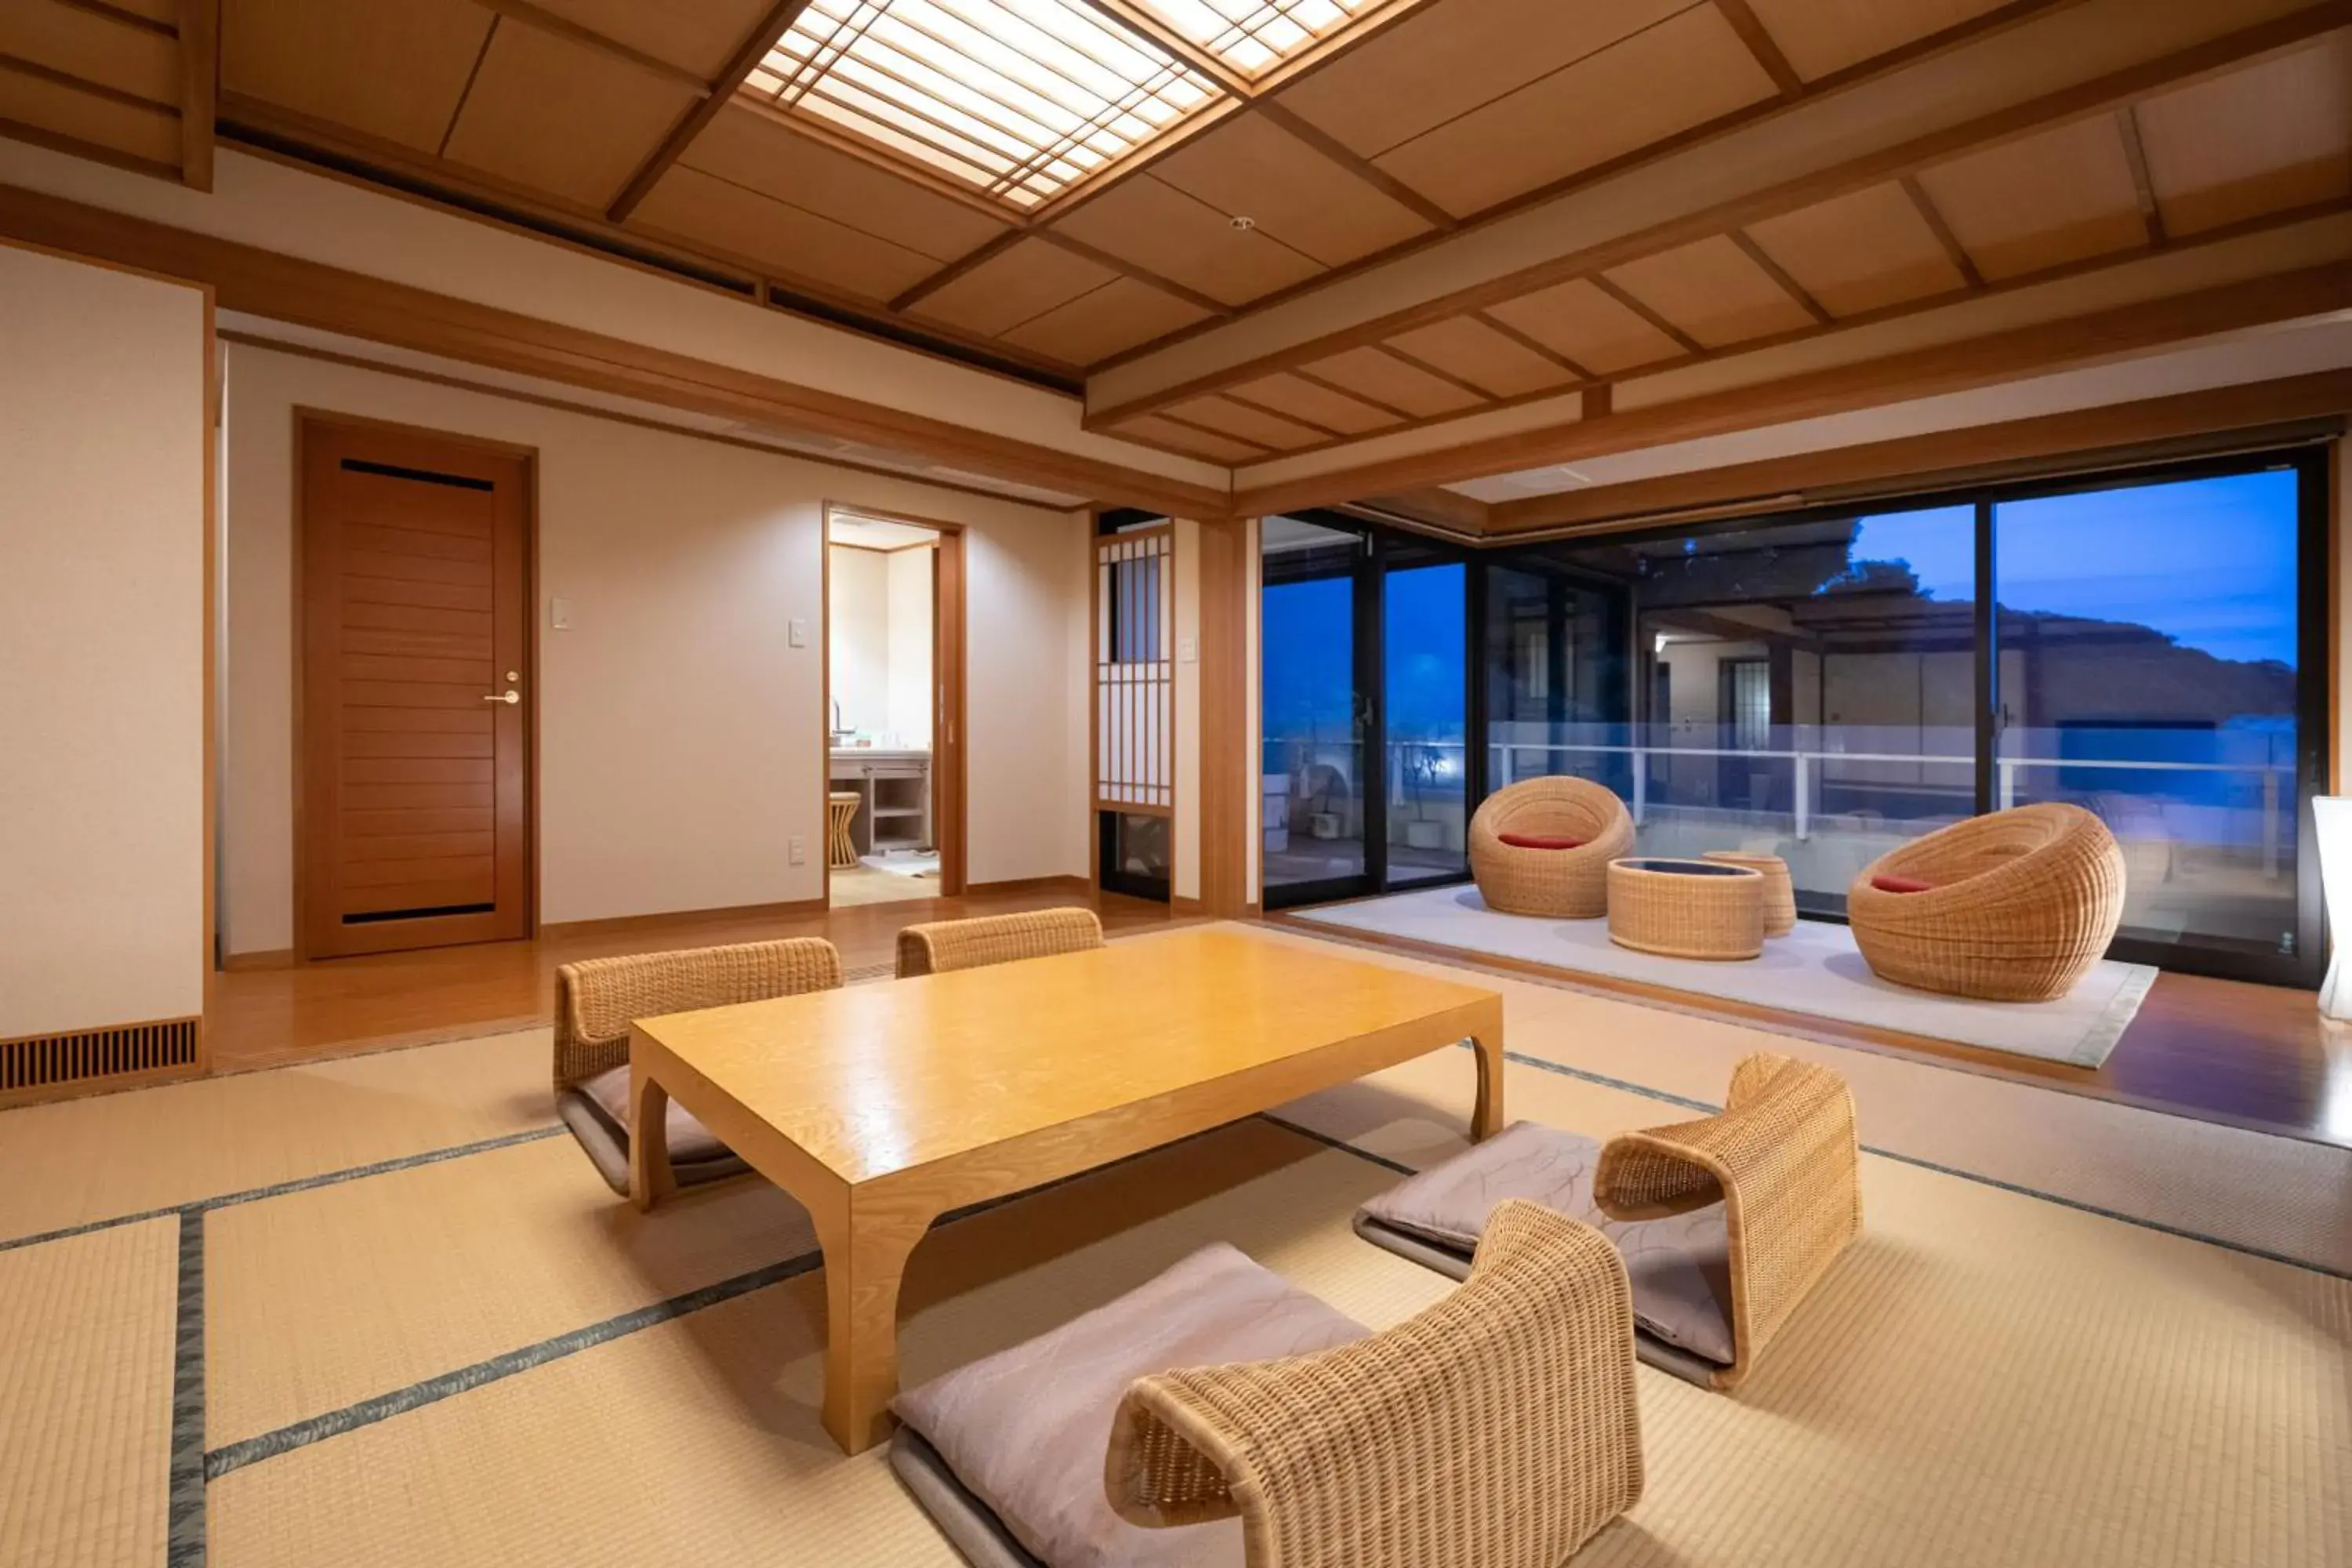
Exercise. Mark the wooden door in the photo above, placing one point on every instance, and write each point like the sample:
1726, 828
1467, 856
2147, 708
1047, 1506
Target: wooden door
416, 691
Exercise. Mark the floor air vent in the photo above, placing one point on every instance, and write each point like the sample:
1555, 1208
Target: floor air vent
90, 1055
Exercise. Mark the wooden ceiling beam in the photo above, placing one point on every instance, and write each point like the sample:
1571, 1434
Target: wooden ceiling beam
127, 17
1780, 278
1919, 373
588, 38
1135, 269
2099, 95
199, 90
1763, 45
305, 293
1933, 217
697, 119
1908, 459
2151, 215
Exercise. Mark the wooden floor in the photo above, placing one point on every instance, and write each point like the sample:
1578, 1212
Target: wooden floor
2218, 1050
2249, 1056
262, 1018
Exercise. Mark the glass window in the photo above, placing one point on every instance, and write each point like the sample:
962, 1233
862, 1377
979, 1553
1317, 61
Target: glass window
1255, 36
1828, 685
1425, 640
2149, 640
1312, 812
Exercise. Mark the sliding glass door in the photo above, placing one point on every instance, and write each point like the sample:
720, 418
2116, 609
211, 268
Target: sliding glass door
1828, 685
1368, 771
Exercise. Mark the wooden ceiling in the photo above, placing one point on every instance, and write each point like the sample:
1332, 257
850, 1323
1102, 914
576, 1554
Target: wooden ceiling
1417, 126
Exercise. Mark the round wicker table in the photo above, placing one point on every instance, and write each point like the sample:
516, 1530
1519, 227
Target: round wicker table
1687, 909
1780, 892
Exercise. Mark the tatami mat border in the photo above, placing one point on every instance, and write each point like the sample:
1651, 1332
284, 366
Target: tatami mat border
367, 1412
183, 1539
299, 1183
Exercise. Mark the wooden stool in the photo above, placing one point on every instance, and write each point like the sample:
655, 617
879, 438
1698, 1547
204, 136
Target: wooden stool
840, 848
1780, 893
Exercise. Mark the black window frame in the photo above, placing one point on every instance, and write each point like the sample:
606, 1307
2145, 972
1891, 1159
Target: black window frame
2308, 458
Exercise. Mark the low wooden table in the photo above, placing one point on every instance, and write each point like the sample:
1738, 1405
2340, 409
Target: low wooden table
883, 1107
1686, 909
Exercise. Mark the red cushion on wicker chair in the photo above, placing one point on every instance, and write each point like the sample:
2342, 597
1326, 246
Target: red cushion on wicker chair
1889, 884
1540, 841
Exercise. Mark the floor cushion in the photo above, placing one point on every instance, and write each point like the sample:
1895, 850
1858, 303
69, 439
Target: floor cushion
597, 1111
1680, 1267
1026, 1432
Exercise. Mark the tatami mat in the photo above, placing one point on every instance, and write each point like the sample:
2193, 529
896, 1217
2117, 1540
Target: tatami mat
470, 1352
1985, 1378
86, 1354
112, 1154
2286, 1196
327, 1297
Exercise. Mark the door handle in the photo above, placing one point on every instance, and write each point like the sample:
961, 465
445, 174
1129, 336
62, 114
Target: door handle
510, 697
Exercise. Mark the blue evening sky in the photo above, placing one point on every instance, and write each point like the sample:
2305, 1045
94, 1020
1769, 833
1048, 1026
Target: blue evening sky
2210, 562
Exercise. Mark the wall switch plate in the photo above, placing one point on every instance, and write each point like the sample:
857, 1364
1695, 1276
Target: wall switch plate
797, 851
796, 632
559, 614
1187, 650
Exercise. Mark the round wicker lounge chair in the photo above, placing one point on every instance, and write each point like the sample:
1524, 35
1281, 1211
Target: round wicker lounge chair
2014, 907
1560, 883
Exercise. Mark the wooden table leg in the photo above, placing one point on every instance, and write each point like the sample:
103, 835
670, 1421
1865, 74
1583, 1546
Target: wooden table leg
650, 1177
1486, 1044
864, 1261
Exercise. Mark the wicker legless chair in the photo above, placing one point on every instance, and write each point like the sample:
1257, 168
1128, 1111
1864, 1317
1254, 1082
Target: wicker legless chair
1562, 884
941, 946
597, 999
2017, 906
1781, 1157
1497, 1429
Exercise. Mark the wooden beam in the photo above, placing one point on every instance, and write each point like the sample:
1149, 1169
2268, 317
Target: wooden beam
309, 294
1228, 756
1933, 217
2098, 96
1763, 45
1356, 164
1911, 459
1920, 372
1779, 276
199, 90
739, 65
2151, 215
564, 27
1135, 269
985, 252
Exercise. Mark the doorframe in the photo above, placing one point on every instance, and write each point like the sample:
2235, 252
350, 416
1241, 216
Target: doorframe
305, 417
951, 784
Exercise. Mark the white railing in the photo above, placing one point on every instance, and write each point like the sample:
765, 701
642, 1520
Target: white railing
1805, 764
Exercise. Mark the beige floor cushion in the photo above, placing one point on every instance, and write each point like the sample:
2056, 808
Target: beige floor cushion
1025, 1431
1680, 1267
597, 1111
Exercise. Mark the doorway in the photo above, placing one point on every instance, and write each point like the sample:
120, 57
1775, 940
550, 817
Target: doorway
416, 682
1365, 639
894, 709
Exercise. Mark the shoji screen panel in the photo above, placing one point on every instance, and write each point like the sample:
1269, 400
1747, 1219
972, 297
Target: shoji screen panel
1135, 672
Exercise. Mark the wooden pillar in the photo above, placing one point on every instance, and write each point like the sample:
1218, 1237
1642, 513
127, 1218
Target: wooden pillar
1225, 763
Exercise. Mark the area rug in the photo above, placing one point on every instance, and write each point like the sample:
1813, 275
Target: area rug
1815, 969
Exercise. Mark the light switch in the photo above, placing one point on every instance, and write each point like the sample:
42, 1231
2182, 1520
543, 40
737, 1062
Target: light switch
797, 632
796, 852
559, 614
1187, 650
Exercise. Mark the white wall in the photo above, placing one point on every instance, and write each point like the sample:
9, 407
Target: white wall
908, 708
858, 637
102, 633
680, 734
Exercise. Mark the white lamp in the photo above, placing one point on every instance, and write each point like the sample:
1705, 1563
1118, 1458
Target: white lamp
2332, 816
